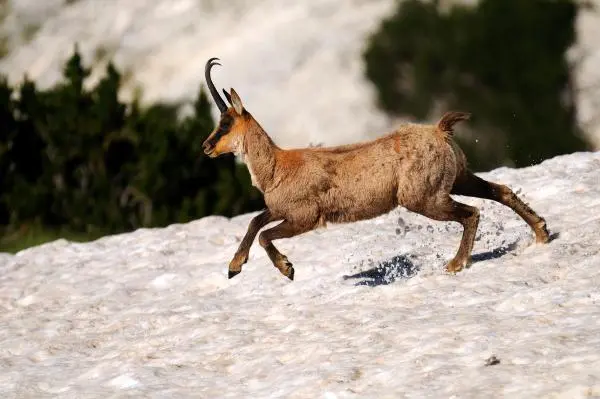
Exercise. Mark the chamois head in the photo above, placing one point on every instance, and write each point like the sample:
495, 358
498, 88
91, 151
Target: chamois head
228, 135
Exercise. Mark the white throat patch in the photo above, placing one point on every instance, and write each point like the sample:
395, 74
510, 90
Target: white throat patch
246, 161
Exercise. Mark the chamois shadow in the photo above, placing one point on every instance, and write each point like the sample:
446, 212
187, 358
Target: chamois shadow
400, 267
386, 272
501, 251
494, 253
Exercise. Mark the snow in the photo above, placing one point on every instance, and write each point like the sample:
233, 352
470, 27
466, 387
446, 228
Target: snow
297, 65
586, 59
371, 312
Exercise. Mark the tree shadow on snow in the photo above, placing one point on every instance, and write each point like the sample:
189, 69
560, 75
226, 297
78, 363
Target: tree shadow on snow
386, 272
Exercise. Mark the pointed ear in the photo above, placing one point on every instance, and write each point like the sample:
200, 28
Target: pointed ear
236, 102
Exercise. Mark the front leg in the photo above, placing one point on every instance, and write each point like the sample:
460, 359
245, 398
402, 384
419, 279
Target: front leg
241, 255
285, 229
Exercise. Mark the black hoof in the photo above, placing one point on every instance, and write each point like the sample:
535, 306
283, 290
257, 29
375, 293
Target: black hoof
232, 273
291, 274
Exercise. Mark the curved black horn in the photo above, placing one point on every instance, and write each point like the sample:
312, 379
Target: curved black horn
213, 91
227, 96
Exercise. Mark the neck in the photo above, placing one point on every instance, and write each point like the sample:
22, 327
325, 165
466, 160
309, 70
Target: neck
259, 156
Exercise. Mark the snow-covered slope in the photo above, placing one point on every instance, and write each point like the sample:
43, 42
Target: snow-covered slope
587, 73
371, 313
296, 63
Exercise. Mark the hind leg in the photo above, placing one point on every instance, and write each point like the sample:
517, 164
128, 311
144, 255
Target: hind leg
447, 210
473, 186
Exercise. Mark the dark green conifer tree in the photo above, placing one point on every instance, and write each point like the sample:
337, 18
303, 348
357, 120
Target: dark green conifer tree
79, 160
7, 133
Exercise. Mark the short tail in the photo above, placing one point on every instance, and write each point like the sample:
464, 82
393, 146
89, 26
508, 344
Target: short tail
450, 119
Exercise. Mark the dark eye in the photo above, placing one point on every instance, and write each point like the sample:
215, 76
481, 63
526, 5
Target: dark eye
226, 123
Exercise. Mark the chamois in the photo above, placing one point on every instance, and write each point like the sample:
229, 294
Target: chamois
417, 167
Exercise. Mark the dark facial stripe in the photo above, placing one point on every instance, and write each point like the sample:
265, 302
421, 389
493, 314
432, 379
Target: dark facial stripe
224, 127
